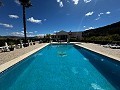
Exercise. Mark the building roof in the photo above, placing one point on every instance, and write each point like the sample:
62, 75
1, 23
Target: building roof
62, 33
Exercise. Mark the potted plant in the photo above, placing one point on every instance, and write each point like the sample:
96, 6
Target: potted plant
11, 46
25, 44
33, 43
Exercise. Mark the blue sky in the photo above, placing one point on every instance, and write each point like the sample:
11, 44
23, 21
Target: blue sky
50, 16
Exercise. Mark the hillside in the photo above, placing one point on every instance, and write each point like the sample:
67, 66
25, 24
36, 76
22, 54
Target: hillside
103, 35
103, 31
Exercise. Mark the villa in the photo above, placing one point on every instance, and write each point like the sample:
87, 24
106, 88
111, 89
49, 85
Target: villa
31, 58
63, 35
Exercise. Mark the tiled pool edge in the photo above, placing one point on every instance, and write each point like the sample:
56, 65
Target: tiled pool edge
110, 56
18, 59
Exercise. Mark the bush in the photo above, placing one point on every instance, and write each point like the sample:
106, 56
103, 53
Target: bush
103, 39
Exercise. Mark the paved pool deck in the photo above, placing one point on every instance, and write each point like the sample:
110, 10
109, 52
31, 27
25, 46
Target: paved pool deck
112, 53
7, 59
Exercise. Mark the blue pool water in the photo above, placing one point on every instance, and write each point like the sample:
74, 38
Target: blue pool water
63, 67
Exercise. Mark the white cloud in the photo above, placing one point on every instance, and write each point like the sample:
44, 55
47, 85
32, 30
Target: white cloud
58, 0
60, 3
89, 13
17, 1
6, 25
87, 1
108, 12
34, 20
17, 34
35, 31
21, 34
100, 14
13, 16
97, 18
75, 1
30, 32
41, 35
31, 35
27, 32
56, 31
22, 31
89, 28
68, 1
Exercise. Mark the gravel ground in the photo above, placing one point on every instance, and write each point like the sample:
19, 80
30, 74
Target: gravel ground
7, 56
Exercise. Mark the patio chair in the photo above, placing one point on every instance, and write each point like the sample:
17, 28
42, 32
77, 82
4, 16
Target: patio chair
6, 47
115, 46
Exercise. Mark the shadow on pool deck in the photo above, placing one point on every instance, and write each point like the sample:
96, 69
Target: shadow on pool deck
109, 68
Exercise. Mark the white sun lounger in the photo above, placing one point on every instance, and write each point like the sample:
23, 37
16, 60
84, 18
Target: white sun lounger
115, 47
6, 48
106, 46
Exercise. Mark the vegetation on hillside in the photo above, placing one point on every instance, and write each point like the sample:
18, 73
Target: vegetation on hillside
103, 35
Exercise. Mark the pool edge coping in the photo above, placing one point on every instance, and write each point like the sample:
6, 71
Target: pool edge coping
107, 55
20, 58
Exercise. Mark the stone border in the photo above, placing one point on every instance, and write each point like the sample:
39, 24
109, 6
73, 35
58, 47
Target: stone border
110, 56
16, 60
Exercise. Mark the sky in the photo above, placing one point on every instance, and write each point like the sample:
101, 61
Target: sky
51, 16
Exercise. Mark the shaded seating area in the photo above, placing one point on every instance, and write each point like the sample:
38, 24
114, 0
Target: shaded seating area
10, 47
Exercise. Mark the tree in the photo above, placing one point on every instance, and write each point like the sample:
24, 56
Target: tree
25, 4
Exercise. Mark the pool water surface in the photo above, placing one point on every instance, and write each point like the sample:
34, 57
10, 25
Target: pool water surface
63, 67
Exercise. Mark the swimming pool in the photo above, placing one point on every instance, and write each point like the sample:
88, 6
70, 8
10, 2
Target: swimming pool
62, 67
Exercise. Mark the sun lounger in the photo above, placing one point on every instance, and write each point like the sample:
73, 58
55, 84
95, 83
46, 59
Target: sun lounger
115, 47
106, 46
18, 46
6, 49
